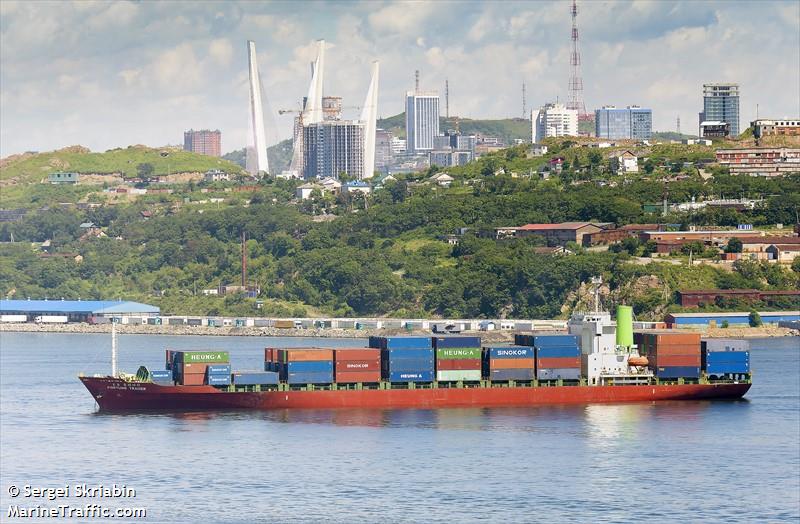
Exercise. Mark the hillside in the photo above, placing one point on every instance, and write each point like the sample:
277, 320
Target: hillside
508, 129
279, 155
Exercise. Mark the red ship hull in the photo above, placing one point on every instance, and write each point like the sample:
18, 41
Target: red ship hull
114, 394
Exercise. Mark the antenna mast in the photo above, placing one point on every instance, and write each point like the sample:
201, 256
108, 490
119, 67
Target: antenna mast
244, 260
679, 124
446, 98
575, 81
524, 102
416, 81
113, 347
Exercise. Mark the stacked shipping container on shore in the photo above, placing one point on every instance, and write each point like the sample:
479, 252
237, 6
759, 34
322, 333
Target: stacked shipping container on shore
357, 365
670, 354
503, 363
458, 359
405, 359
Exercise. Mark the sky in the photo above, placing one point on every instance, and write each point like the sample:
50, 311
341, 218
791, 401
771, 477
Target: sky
113, 74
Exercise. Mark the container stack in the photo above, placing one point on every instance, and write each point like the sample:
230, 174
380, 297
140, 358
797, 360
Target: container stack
557, 357
357, 365
509, 363
271, 359
162, 377
670, 354
405, 359
218, 375
305, 366
190, 368
458, 359
724, 361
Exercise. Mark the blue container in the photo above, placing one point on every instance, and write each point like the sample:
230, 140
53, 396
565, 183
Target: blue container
541, 341
401, 342
315, 366
407, 354
252, 378
411, 376
160, 374
219, 380
218, 369
509, 352
728, 356
511, 374
556, 373
310, 378
558, 351
523, 340
726, 368
456, 342
409, 364
678, 372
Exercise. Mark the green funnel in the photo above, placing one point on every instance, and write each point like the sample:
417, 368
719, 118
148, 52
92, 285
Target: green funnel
624, 326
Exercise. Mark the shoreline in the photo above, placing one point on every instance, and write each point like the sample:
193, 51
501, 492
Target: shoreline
488, 336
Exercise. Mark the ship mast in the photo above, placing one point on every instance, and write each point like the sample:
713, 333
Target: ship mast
113, 348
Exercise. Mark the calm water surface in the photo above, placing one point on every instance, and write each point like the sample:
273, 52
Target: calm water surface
680, 461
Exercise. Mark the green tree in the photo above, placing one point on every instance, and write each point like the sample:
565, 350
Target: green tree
754, 319
145, 169
734, 245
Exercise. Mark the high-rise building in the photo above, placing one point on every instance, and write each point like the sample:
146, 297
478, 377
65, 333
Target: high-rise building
422, 120
205, 142
632, 122
331, 107
332, 147
383, 149
553, 120
721, 104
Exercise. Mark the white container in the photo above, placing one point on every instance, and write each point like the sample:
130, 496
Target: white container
13, 318
52, 319
470, 375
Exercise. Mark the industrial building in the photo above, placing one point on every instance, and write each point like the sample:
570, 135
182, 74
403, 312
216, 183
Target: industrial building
765, 127
721, 104
632, 122
553, 120
688, 320
76, 310
760, 161
556, 234
710, 297
204, 142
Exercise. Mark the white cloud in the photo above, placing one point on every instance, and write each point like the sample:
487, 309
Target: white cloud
221, 51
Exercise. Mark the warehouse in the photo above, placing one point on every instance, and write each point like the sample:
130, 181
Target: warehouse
76, 310
678, 320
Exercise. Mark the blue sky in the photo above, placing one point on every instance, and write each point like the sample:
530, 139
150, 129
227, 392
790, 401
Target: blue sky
111, 74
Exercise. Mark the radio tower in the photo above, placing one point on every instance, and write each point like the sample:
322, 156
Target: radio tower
575, 80
524, 102
446, 98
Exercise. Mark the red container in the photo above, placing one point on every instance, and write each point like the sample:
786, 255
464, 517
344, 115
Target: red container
558, 362
194, 379
350, 377
668, 361
350, 366
683, 349
511, 363
269, 354
304, 355
357, 354
169, 356
192, 368
458, 364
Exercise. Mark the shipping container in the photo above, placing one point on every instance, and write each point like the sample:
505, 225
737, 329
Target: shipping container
408, 364
191, 368
677, 349
509, 352
252, 378
401, 342
455, 375
192, 379
154, 321
511, 374
409, 376
456, 342
558, 362
512, 363
194, 321
160, 374
164, 381
393, 354
357, 354
169, 356
51, 319
559, 373
307, 366
557, 340
725, 357
13, 318
284, 324
671, 338
175, 322
678, 372
304, 355
448, 353
261, 322
218, 369
727, 368
310, 378
558, 351
358, 365
461, 363
135, 321
661, 361
219, 380
352, 377
209, 357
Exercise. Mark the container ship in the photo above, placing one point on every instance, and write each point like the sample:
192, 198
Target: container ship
597, 361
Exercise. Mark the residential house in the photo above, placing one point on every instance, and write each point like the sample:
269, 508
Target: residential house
625, 162
357, 186
216, 175
304, 191
442, 179
63, 178
555, 234
783, 253
537, 150
330, 185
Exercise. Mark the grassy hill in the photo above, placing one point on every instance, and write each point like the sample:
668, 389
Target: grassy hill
279, 155
508, 129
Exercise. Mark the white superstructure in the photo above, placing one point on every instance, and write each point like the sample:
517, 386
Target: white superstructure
369, 115
256, 159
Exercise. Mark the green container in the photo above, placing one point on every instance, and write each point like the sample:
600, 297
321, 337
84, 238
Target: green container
206, 357
457, 353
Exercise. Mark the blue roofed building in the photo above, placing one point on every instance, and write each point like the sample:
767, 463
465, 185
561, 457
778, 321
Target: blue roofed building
78, 310
679, 320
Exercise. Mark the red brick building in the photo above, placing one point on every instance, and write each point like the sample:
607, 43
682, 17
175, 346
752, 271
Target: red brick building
205, 142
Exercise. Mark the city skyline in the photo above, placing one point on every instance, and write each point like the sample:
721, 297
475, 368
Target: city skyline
145, 72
